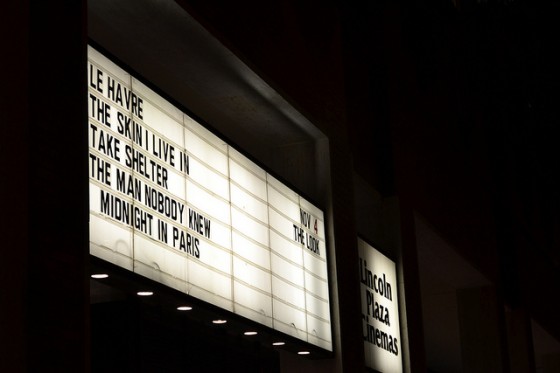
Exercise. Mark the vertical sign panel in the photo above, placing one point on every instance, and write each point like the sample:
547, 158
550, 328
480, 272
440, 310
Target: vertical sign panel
173, 202
111, 228
288, 285
316, 277
380, 310
249, 214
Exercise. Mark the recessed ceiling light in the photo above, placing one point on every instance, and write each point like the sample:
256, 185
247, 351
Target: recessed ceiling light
100, 275
219, 321
250, 333
145, 293
279, 343
304, 353
184, 308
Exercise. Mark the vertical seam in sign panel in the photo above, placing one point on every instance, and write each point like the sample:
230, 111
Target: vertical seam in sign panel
272, 318
134, 203
232, 277
304, 284
185, 175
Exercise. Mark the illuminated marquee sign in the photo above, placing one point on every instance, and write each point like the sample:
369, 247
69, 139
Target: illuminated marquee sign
380, 310
171, 201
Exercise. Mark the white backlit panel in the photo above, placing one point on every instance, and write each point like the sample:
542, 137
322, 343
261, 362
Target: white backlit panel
216, 258
380, 310
289, 319
249, 204
288, 292
202, 174
253, 304
211, 284
249, 227
251, 179
154, 261
163, 162
317, 307
284, 205
315, 265
111, 242
258, 278
202, 133
103, 141
220, 234
319, 332
207, 151
203, 200
280, 187
108, 68
288, 249
251, 250
173, 202
169, 119
288, 271
282, 225
317, 287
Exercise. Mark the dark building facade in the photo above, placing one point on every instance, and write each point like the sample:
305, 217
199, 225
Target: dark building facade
427, 129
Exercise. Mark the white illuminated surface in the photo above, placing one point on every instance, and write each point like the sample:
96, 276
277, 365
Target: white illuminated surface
172, 202
380, 310
100, 275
